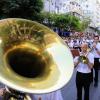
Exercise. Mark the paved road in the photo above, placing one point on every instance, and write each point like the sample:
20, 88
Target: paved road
69, 91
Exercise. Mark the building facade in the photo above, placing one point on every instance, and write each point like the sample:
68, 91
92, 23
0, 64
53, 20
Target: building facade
89, 9
61, 6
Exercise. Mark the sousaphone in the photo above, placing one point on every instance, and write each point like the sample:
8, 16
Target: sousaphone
33, 58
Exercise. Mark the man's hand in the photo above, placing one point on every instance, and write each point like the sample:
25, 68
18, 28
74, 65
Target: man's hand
2, 90
94, 45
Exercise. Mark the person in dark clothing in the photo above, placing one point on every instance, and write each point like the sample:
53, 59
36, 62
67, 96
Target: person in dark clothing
83, 76
96, 53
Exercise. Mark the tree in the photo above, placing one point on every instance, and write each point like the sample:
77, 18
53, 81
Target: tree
48, 19
64, 22
29, 9
68, 22
61, 21
85, 24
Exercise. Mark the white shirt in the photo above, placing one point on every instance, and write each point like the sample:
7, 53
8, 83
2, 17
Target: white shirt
84, 68
48, 96
96, 55
87, 41
70, 44
91, 42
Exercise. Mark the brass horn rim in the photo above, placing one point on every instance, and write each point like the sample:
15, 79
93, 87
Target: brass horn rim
61, 69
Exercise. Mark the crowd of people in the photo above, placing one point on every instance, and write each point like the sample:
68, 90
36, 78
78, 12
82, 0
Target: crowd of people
88, 46
75, 41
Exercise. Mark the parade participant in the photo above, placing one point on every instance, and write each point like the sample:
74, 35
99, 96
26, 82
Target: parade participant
2, 91
96, 53
83, 76
48, 96
70, 44
76, 44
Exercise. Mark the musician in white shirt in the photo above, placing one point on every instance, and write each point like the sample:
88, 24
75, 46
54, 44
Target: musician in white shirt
83, 76
96, 53
56, 95
70, 44
76, 44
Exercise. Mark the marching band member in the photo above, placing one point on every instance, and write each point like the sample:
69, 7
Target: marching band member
96, 53
71, 44
48, 96
83, 76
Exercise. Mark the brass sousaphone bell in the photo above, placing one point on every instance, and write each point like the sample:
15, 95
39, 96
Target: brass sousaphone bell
33, 58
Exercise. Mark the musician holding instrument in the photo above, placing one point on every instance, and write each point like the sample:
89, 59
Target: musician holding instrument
84, 63
96, 53
2, 91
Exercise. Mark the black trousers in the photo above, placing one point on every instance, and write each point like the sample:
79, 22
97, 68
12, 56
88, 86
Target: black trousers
96, 68
83, 81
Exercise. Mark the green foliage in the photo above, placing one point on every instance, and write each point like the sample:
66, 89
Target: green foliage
61, 21
28, 9
85, 23
69, 22
75, 23
66, 22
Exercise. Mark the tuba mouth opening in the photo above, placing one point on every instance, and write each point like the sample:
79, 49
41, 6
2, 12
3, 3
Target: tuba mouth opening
25, 63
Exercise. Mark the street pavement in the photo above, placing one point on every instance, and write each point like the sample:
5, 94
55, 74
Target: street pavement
69, 91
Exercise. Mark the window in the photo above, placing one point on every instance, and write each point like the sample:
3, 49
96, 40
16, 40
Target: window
87, 6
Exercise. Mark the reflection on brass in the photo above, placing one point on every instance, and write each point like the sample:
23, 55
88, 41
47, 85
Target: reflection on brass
33, 58
83, 59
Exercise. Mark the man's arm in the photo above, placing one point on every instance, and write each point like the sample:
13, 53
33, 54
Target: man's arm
76, 61
90, 65
90, 62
